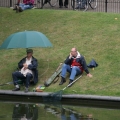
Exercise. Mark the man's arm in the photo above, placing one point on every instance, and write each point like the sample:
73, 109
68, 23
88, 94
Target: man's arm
68, 60
33, 65
84, 65
20, 64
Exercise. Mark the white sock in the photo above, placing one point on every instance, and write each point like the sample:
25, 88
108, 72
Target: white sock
17, 86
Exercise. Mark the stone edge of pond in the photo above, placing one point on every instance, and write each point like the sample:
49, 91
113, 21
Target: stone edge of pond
70, 96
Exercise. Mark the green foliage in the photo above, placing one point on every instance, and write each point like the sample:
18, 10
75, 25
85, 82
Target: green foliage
95, 35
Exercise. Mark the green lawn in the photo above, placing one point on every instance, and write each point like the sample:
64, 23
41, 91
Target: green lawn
95, 35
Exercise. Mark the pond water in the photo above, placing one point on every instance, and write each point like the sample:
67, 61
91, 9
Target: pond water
50, 111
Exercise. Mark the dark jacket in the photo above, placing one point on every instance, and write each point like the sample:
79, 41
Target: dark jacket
32, 67
80, 60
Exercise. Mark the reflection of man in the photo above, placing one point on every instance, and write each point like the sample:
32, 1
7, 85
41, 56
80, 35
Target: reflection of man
25, 112
71, 116
75, 64
28, 71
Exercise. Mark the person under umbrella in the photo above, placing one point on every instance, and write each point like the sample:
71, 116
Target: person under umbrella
28, 71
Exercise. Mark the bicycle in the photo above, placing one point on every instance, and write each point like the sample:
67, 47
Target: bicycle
43, 2
91, 3
83, 4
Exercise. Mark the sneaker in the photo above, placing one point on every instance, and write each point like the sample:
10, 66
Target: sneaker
16, 89
62, 81
20, 9
82, 7
26, 90
17, 8
70, 83
77, 7
60, 6
66, 6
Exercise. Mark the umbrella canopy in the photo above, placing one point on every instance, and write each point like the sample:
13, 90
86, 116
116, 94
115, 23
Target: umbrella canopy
26, 39
92, 64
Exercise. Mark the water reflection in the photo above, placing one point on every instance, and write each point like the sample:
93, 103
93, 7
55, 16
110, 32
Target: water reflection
56, 111
66, 113
25, 112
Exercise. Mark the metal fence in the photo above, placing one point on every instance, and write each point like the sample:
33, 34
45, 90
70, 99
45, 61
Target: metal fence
112, 6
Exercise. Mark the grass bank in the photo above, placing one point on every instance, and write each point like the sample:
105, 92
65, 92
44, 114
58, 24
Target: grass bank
95, 35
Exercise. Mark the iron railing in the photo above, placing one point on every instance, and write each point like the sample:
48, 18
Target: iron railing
112, 6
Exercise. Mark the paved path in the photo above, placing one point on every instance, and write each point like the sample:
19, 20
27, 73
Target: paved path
76, 99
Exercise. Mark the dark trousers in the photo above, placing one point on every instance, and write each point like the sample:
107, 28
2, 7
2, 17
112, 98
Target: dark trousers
17, 75
61, 2
82, 3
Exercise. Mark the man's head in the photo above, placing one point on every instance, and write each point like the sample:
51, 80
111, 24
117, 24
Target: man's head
74, 52
29, 53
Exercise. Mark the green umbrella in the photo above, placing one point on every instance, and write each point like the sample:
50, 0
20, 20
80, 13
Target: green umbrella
26, 39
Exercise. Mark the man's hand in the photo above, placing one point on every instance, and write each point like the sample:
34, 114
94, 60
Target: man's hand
25, 66
89, 75
70, 56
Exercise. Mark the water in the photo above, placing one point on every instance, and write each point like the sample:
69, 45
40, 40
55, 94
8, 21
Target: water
46, 111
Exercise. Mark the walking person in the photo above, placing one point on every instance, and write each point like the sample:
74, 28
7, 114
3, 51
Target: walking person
61, 3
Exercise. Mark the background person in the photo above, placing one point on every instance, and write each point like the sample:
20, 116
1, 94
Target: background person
26, 4
81, 5
61, 3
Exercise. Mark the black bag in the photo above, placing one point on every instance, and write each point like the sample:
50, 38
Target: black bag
92, 64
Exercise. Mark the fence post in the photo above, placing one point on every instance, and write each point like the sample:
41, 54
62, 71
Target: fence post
10, 3
106, 5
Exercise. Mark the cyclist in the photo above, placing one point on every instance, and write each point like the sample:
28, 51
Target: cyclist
81, 4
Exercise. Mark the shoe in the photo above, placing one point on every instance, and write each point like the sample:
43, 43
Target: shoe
16, 89
20, 9
15, 8
60, 6
26, 90
66, 6
70, 83
62, 81
77, 7
82, 7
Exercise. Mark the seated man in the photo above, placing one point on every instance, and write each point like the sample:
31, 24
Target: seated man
27, 4
28, 71
75, 64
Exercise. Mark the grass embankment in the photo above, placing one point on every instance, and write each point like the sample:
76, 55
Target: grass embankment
95, 35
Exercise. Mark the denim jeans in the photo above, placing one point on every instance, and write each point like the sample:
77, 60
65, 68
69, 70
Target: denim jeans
82, 3
71, 117
17, 75
75, 70
24, 7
